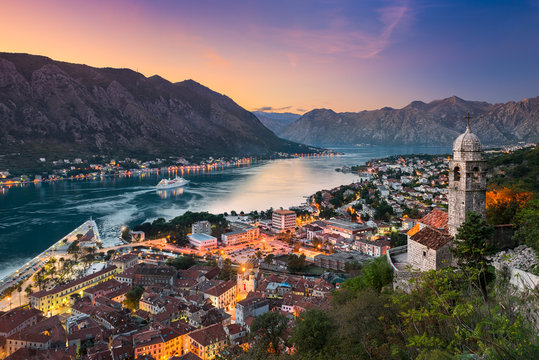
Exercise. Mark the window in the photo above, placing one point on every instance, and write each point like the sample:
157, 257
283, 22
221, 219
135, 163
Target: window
424, 254
476, 174
456, 174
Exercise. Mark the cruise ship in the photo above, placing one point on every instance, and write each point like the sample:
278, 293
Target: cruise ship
171, 183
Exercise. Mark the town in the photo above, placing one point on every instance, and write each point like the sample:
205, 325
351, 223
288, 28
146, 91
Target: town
161, 297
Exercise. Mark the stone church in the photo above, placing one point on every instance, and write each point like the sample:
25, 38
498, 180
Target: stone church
430, 240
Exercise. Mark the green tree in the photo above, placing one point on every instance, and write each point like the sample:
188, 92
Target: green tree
182, 262
375, 274
267, 331
228, 272
472, 250
296, 263
312, 332
133, 296
527, 221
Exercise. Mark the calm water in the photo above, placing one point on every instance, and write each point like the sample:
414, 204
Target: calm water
33, 217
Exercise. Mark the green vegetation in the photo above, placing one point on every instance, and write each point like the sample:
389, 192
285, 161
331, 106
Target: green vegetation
296, 263
182, 262
132, 297
444, 315
518, 170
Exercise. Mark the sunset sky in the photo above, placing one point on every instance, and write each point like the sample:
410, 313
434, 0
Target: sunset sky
297, 55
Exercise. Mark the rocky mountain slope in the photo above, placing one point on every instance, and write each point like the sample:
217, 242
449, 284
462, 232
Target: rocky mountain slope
52, 108
438, 122
276, 121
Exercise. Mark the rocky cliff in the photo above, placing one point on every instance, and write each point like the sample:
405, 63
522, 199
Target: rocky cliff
55, 108
438, 122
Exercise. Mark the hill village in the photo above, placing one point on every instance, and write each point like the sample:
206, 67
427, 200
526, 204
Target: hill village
154, 298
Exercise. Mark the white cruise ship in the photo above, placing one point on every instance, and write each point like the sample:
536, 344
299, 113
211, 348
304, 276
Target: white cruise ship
171, 183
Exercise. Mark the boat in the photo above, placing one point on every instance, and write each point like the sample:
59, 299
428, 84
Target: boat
171, 183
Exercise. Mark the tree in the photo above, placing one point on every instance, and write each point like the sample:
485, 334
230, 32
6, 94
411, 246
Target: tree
267, 330
527, 221
296, 263
312, 332
182, 262
375, 274
126, 234
316, 241
269, 259
132, 297
228, 272
471, 248
74, 247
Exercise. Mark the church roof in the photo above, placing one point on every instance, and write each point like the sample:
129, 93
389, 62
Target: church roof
431, 238
436, 219
467, 142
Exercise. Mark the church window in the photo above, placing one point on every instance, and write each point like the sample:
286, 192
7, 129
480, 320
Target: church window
476, 174
456, 173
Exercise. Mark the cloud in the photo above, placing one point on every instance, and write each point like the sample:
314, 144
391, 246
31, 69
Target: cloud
271, 108
216, 60
342, 36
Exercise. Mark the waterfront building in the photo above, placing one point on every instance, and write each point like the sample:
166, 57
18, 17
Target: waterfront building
202, 241
283, 220
201, 227
48, 300
240, 236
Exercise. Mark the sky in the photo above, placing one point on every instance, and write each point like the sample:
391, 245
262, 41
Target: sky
294, 56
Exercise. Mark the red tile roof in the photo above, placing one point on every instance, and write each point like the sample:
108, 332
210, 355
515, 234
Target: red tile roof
11, 319
431, 238
209, 335
436, 219
221, 288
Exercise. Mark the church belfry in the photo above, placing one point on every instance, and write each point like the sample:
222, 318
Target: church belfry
467, 179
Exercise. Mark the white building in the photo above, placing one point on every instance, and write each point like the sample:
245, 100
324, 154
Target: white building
201, 227
202, 241
283, 220
240, 236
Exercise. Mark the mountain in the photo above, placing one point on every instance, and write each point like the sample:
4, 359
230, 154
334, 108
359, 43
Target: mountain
57, 109
276, 121
434, 123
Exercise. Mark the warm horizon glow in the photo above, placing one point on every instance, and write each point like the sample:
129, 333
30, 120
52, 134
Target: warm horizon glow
296, 56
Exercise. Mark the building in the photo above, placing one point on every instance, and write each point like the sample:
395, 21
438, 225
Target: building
106, 288
208, 342
147, 275
46, 334
430, 240
160, 343
202, 241
124, 262
223, 295
283, 220
373, 248
338, 260
429, 249
253, 306
201, 227
467, 180
14, 321
240, 236
346, 229
48, 300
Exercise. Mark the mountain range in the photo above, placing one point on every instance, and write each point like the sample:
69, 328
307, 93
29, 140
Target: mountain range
436, 123
276, 121
56, 109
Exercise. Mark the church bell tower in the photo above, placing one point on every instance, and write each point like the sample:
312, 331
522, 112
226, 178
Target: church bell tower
467, 179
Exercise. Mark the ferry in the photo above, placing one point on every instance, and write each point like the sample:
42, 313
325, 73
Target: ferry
171, 183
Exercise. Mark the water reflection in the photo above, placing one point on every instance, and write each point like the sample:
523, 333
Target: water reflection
170, 193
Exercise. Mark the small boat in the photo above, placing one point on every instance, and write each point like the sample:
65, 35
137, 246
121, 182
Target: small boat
171, 183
